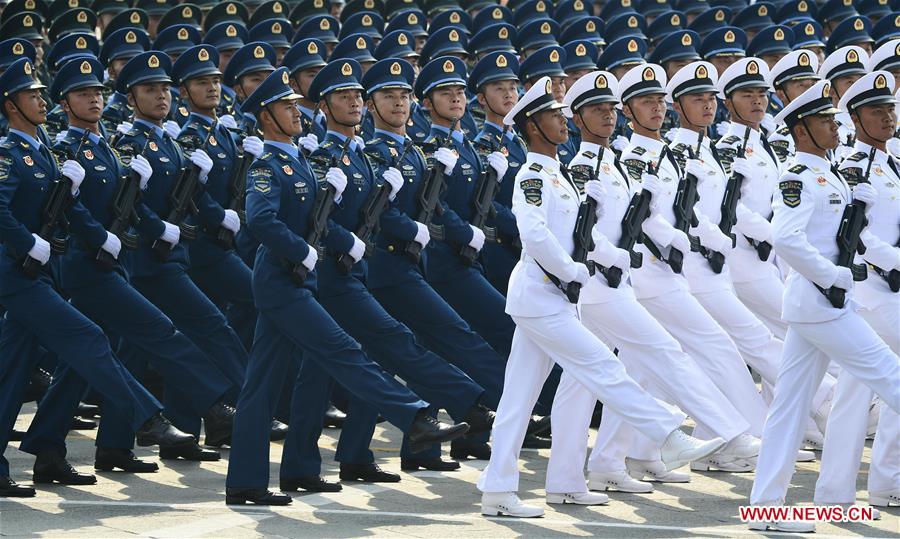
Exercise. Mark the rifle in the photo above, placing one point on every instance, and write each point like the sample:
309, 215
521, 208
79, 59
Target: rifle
430, 201
237, 187
637, 212
685, 199
181, 199
488, 185
318, 219
53, 215
123, 203
584, 242
369, 216
853, 221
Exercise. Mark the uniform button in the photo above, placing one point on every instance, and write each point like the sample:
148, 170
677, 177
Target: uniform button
390, 248
302, 199
469, 179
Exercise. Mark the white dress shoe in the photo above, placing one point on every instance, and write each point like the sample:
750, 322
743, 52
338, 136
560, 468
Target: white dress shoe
805, 456
783, 526
579, 498
680, 449
814, 440
654, 470
743, 446
619, 480
507, 504
714, 463
884, 499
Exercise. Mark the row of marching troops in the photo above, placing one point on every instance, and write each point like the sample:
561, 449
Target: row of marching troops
516, 210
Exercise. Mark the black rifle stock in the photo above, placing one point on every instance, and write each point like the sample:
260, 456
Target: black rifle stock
685, 199
53, 216
637, 212
488, 185
584, 241
123, 204
237, 189
430, 201
318, 219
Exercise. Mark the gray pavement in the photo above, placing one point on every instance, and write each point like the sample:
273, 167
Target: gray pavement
187, 500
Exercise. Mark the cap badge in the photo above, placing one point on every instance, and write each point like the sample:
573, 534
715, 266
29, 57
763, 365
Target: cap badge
719, 16
130, 37
826, 90
153, 61
632, 46
686, 40
28, 69
540, 7
80, 43
18, 49
366, 20
187, 13
361, 43
497, 14
852, 56
276, 27
580, 50
880, 82
554, 55
649, 74
453, 35
230, 31
231, 9
258, 52
396, 69
701, 72
803, 59
85, 68
284, 77
600, 82
183, 34
81, 17
545, 28
809, 30
858, 25
324, 25
454, 17
448, 67
346, 69
675, 20
752, 68
632, 22
778, 35
590, 26
277, 8
402, 39
729, 37
501, 61
503, 33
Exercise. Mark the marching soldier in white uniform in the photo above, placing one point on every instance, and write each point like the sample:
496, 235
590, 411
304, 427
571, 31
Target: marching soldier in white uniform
790, 77
659, 288
807, 214
870, 103
610, 310
546, 203
842, 68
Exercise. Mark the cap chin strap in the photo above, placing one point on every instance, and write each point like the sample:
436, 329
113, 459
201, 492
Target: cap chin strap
378, 113
541, 131
334, 117
73, 113
136, 107
190, 98
635, 120
277, 123
811, 136
736, 113
22, 113
866, 131
586, 128
688, 118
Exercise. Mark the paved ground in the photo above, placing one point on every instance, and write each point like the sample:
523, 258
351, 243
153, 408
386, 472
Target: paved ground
186, 500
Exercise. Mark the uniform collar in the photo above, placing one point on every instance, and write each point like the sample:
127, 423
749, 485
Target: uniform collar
816, 163
341, 138
737, 130
399, 139
152, 127
93, 137
647, 142
550, 164
35, 143
689, 138
498, 130
205, 120
591, 147
456, 135
285, 147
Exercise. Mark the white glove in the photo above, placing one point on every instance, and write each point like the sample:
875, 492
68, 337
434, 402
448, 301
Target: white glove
140, 165
253, 146
231, 221
61, 136
768, 123
446, 157
695, 168
112, 245
172, 128
124, 127
203, 162
582, 274
228, 121
670, 135
680, 241
865, 193
595, 190
619, 144
499, 163
171, 234
422, 235
844, 278
358, 251
393, 177
338, 179
41, 250
713, 238
309, 143
74, 171
360, 142
477, 238
623, 260
893, 147
311, 258
652, 183
722, 128
741, 166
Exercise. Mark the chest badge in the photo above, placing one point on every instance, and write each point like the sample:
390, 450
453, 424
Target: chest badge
28, 160
152, 145
287, 169
393, 151
163, 159
504, 151
822, 181
88, 154
748, 151
346, 160
879, 170
212, 141
99, 168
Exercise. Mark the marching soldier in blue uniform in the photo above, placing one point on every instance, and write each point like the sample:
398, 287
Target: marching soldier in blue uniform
344, 295
494, 81
34, 310
193, 383
160, 266
119, 47
395, 280
249, 66
282, 193
304, 60
215, 266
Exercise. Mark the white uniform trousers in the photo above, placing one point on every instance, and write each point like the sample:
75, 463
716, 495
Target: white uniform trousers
845, 436
655, 360
764, 297
850, 342
538, 342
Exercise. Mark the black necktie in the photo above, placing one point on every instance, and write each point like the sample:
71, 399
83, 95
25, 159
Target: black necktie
893, 165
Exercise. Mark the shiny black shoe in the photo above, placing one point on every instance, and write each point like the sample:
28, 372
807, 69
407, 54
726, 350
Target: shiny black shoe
191, 452
334, 418
367, 473
278, 431
427, 430
480, 419
107, 459
258, 496
11, 489
538, 425
87, 411
16, 436
82, 424
312, 483
536, 442
159, 431
217, 423
52, 467
436, 464
463, 448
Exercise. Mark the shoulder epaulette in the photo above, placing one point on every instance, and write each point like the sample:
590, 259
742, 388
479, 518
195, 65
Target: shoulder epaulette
679, 148
858, 156
784, 131
638, 150
265, 156
7, 145
589, 154
797, 169
729, 140
536, 167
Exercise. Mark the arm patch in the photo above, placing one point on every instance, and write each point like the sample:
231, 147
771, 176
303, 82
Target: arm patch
261, 179
635, 168
790, 192
531, 187
852, 175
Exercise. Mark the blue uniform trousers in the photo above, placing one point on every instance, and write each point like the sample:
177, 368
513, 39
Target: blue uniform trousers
39, 313
303, 328
193, 382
